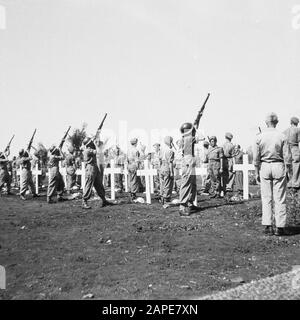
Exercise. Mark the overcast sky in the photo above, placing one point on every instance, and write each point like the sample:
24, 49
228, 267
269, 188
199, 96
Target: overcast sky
148, 62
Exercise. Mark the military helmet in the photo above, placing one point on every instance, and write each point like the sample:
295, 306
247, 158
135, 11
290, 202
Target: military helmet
21, 152
52, 148
186, 127
295, 120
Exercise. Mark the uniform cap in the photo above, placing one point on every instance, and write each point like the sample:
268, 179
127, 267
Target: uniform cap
213, 138
228, 135
21, 152
295, 120
272, 117
168, 140
156, 144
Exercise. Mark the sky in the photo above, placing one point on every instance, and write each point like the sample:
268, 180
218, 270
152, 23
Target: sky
149, 64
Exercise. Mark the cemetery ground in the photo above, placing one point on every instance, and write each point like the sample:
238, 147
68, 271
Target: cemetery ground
137, 251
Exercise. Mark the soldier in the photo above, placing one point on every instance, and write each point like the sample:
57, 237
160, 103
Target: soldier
293, 137
188, 188
56, 183
4, 175
93, 176
177, 165
214, 158
206, 182
271, 159
238, 179
119, 162
133, 159
26, 181
14, 172
228, 175
156, 163
70, 163
167, 172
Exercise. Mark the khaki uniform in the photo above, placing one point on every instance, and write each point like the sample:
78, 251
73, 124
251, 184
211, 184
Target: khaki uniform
26, 181
213, 157
4, 174
119, 162
238, 179
228, 174
177, 167
293, 138
271, 153
156, 163
56, 183
71, 171
134, 181
188, 187
93, 176
166, 174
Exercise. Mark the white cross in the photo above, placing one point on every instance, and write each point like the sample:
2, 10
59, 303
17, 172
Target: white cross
245, 168
36, 173
125, 172
112, 171
148, 174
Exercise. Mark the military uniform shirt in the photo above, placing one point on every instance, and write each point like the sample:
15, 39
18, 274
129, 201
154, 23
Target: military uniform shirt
293, 136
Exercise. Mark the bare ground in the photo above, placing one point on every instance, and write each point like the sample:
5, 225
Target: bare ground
134, 251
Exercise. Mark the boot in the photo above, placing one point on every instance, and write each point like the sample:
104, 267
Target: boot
49, 200
268, 231
22, 197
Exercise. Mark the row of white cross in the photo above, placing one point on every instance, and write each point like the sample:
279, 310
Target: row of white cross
148, 172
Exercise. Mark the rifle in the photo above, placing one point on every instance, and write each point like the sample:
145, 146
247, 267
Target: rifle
31, 140
101, 124
200, 113
259, 129
64, 138
8, 146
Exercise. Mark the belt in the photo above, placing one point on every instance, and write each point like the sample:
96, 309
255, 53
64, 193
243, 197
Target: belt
279, 161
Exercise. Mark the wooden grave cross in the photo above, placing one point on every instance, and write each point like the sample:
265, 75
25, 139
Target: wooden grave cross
148, 173
112, 171
245, 168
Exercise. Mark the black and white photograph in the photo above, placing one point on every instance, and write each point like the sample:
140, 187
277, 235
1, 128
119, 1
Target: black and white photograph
149, 151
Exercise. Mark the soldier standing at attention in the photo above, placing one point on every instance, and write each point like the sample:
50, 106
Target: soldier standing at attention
56, 183
293, 138
93, 177
238, 178
167, 172
133, 159
4, 175
214, 158
156, 162
271, 159
119, 162
228, 174
26, 174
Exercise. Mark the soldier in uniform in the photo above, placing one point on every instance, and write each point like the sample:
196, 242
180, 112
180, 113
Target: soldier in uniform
167, 172
156, 163
293, 137
56, 183
177, 165
214, 158
133, 159
188, 188
228, 174
26, 181
4, 175
238, 179
70, 163
93, 176
119, 162
271, 159
14, 172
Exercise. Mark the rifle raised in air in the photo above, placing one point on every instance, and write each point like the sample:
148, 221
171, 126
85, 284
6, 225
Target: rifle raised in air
8, 145
64, 138
200, 113
31, 140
